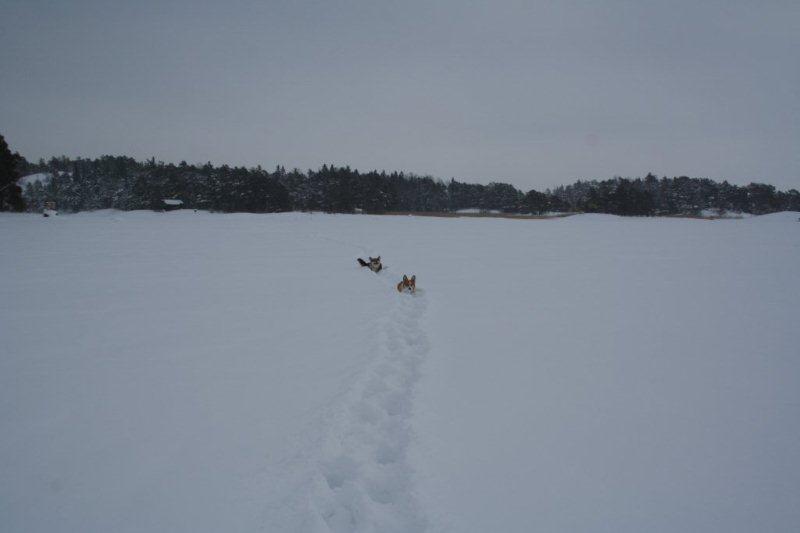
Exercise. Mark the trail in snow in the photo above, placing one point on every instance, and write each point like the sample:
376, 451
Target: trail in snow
364, 481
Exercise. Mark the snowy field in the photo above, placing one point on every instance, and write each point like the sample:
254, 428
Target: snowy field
192, 372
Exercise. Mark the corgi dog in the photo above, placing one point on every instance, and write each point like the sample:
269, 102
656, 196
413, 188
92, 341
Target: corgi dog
374, 263
408, 285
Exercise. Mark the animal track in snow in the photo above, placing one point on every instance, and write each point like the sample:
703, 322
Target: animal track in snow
365, 481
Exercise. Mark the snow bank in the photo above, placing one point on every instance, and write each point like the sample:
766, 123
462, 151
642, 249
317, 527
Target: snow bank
716, 213
784, 217
475, 210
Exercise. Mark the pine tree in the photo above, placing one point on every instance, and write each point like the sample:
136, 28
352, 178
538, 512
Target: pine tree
10, 192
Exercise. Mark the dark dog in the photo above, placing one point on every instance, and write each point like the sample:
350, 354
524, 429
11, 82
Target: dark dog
374, 263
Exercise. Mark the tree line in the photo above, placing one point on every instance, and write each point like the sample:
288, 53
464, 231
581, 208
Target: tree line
124, 183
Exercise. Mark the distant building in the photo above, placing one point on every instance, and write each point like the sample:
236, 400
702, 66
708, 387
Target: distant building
171, 204
49, 209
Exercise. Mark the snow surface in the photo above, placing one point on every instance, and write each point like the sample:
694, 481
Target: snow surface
204, 372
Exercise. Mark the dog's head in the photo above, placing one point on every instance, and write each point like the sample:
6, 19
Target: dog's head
409, 284
375, 261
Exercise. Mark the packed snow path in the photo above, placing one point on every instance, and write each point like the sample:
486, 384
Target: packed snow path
365, 481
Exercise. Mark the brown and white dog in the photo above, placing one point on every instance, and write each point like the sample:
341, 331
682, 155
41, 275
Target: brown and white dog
374, 263
408, 285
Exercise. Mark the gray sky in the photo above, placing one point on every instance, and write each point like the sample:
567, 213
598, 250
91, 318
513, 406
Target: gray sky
533, 93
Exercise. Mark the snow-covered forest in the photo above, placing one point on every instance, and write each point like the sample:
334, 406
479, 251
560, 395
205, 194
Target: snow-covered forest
124, 183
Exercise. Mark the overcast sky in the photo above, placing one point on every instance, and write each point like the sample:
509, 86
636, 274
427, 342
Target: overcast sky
533, 93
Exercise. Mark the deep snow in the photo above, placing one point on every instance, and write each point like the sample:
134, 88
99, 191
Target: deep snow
205, 372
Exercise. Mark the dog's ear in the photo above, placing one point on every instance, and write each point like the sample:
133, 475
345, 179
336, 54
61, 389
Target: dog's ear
414, 277
378, 258
405, 278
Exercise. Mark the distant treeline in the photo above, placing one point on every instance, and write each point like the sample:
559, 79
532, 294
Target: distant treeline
124, 183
